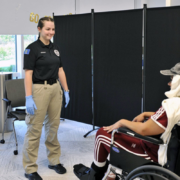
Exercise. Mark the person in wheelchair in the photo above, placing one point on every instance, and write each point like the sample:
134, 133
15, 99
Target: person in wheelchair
157, 125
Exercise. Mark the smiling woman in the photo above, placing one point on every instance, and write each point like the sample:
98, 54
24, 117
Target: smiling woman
7, 53
46, 28
43, 67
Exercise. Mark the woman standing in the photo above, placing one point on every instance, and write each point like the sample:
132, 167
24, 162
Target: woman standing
43, 67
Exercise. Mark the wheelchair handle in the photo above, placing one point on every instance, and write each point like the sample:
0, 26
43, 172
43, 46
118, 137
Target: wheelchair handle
112, 136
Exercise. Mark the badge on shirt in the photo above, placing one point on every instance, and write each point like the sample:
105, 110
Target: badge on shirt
56, 52
27, 51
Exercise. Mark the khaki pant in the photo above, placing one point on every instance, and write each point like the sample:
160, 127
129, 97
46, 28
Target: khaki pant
48, 99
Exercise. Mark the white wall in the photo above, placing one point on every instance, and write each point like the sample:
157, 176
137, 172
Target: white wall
139, 3
156, 3
15, 14
175, 2
150, 3
85, 6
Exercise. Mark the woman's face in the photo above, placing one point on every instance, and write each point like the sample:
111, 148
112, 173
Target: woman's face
48, 30
169, 83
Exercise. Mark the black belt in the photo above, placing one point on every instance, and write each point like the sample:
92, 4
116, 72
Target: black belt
50, 81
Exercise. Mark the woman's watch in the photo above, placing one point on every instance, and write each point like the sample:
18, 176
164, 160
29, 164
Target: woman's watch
66, 90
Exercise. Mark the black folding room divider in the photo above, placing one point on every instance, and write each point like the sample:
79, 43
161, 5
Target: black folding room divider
117, 66
116, 55
115, 61
163, 52
73, 36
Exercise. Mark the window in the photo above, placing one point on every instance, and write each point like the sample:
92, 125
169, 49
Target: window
8, 53
28, 39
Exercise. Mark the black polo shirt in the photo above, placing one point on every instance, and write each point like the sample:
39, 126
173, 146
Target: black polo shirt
44, 60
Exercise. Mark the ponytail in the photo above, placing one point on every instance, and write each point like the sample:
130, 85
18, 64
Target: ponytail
41, 22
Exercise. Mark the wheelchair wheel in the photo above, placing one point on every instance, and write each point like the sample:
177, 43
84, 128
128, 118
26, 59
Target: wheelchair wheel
151, 172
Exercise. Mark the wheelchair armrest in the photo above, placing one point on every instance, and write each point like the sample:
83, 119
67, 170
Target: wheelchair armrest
6, 100
136, 135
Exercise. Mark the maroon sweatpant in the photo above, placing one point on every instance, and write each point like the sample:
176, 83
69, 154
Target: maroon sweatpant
128, 143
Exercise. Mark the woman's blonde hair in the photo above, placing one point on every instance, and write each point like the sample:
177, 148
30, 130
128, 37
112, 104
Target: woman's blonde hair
41, 22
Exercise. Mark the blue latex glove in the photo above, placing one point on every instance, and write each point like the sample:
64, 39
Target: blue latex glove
30, 105
67, 98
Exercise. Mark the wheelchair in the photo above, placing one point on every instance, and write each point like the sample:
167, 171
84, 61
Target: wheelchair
127, 166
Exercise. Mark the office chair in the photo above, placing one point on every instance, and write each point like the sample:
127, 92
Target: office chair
15, 98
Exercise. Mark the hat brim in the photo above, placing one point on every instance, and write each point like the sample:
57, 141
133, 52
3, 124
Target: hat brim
167, 73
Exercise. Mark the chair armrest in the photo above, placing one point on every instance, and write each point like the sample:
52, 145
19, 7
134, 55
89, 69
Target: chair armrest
6, 100
136, 135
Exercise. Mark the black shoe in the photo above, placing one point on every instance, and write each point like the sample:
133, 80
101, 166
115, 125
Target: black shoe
58, 168
85, 173
33, 176
80, 170
93, 173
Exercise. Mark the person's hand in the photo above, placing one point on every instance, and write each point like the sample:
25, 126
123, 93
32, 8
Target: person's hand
139, 118
112, 127
30, 105
67, 98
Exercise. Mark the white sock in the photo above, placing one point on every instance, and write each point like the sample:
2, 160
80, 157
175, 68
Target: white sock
99, 164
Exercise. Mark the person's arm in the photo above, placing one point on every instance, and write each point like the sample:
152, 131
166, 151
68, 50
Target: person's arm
63, 81
141, 117
149, 128
30, 104
148, 114
28, 82
62, 78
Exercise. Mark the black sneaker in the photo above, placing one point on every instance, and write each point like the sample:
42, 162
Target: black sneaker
58, 168
33, 176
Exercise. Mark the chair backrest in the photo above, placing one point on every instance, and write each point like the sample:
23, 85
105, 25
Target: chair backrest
15, 92
173, 153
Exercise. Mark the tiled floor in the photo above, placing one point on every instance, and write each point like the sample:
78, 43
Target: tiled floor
74, 149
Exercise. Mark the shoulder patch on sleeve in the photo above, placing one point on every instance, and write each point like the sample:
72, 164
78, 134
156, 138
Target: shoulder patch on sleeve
27, 51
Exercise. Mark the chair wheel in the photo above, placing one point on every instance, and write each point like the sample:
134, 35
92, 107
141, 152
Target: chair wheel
2, 141
16, 152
